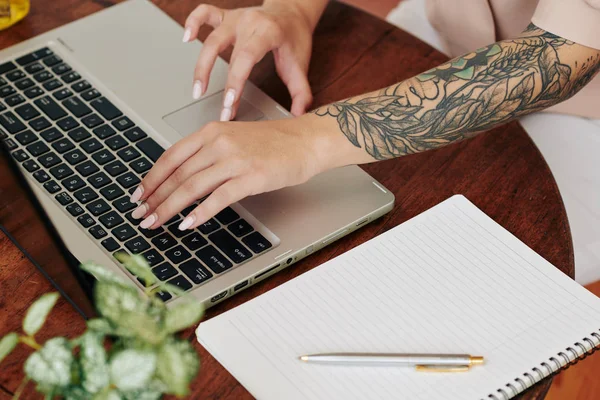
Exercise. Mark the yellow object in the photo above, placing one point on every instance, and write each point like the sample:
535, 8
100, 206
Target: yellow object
12, 11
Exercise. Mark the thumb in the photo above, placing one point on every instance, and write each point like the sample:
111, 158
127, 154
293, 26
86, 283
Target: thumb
296, 81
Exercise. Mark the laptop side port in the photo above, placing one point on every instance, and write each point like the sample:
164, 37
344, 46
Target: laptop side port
257, 277
240, 285
219, 296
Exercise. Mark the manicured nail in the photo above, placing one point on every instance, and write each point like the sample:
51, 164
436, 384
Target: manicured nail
186, 35
197, 90
186, 223
226, 114
229, 98
148, 222
137, 194
140, 211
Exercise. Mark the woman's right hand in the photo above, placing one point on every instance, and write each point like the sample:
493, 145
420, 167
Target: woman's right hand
254, 31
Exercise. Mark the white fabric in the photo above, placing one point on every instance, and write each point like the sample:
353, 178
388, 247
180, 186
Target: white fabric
570, 145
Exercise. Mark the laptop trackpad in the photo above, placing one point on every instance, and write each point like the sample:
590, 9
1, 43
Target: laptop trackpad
193, 117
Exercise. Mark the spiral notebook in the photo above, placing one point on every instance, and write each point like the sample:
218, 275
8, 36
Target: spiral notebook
450, 280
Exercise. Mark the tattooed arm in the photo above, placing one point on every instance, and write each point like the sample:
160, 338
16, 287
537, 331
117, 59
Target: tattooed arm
464, 96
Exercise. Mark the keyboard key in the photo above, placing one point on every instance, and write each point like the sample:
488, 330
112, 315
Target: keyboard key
111, 192
41, 176
61, 171
104, 131
149, 233
213, 259
31, 165
27, 111
128, 180
26, 137
75, 157
188, 209
15, 75
111, 219
76, 106
40, 123
136, 222
91, 145
163, 296
52, 187
99, 180
257, 242
14, 100
7, 66
137, 245
20, 155
177, 254
116, 142
122, 123
42, 76
51, 135
97, 231
51, 84
98, 207
129, 153
63, 145
24, 84
87, 168
61, 69
81, 86
176, 232
123, 204
70, 77
86, 220
240, 228
73, 183
6, 91
150, 148
164, 271
135, 134
11, 122
209, 226
9, 143
164, 241
140, 165
110, 244
180, 282
52, 60
2, 106
92, 121
33, 92
103, 156
49, 160
62, 94
67, 123
106, 108
63, 198
79, 134
153, 257
36, 55
33, 68
75, 209
115, 168
194, 241
230, 246
90, 94
195, 271
38, 148
85, 195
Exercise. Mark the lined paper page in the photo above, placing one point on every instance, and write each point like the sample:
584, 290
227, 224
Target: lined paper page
450, 280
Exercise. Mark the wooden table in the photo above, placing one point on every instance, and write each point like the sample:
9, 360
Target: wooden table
501, 171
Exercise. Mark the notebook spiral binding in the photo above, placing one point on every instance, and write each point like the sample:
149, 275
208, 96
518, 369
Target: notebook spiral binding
563, 360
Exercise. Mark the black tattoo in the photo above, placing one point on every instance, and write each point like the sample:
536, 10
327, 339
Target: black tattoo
469, 94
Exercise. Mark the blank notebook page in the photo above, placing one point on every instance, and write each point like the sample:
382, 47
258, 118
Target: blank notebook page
450, 280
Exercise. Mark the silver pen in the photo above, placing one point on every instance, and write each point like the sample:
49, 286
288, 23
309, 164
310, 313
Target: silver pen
421, 362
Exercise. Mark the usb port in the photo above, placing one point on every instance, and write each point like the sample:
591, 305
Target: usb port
218, 297
364, 221
240, 285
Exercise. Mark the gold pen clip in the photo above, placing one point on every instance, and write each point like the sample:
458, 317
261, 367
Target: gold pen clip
442, 368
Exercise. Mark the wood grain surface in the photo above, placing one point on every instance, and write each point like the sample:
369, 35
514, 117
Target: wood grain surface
501, 171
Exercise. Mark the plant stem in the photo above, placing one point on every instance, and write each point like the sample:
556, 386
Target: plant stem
30, 341
20, 389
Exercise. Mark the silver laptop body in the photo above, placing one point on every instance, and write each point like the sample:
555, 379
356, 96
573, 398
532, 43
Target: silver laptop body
133, 56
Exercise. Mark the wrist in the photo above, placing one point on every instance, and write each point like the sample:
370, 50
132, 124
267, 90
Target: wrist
309, 11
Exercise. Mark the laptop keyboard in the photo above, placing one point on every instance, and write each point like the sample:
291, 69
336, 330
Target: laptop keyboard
89, 157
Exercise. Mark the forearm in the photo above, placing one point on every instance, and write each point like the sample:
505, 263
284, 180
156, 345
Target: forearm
458, 99
310, 9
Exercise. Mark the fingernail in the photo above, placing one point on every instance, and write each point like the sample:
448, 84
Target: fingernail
226, 114
229, 98
186, 35
140, 211
148, 222
137, 194
186, 223
197, 91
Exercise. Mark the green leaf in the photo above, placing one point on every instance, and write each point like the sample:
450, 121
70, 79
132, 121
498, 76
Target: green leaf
100, 273
76, 393
178, 364
7, 344
51, 365
92, 359
153, 391
183, 316
138, 266
466, 73
107, 394
132, 369
495, 49
37, 313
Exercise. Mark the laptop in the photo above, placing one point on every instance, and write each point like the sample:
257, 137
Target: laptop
85, 111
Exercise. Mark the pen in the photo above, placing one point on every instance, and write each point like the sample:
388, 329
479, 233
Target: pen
421, 362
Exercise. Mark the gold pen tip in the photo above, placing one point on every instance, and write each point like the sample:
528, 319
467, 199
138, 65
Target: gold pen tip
476, 360
303, 358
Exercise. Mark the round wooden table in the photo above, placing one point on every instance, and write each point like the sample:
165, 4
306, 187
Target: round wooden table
501, 171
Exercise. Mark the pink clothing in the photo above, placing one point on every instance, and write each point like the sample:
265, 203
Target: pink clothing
466, 25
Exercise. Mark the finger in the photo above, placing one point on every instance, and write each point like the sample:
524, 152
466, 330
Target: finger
242, 61
294, 77
191, 190
215, 43
203, 14
226, 194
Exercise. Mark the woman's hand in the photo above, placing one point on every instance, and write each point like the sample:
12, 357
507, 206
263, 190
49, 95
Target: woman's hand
283, 29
